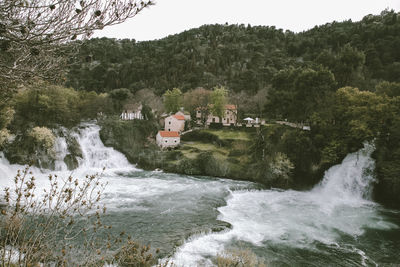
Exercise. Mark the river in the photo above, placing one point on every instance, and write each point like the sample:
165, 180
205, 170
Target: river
192, 219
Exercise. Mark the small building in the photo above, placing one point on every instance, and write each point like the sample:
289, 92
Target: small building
187, 116
132, 111
229, 118
174, 123
166, 139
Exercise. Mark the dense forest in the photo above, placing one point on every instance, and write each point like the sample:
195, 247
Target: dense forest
243, 57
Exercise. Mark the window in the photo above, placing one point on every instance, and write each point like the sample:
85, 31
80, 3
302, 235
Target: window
166, 141
175, 141
198, 111
169, 123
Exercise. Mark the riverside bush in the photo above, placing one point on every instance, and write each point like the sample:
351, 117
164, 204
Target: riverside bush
61, 225
43, 137
238, 258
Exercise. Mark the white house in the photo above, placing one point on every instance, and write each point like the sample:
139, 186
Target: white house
167, 139
174, 123
132, 111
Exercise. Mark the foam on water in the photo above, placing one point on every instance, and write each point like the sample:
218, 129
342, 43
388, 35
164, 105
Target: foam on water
338, 206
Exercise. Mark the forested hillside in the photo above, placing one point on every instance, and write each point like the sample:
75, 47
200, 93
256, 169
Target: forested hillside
243, 57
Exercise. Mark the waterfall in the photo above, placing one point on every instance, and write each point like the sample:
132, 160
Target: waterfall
339, 206
349, 183
61, 150
95, 154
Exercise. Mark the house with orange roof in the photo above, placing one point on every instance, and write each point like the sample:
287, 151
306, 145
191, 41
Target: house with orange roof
166, 139
174, 123
229, 118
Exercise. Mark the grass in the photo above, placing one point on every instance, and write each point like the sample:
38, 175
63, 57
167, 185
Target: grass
230, 134
192, 149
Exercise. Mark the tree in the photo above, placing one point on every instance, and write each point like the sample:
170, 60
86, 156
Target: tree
147, 96
120, 96
388, 88
218, 101
195, 101
33, 33
197, 98
172, 100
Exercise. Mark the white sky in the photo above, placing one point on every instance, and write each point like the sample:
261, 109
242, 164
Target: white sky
174, 16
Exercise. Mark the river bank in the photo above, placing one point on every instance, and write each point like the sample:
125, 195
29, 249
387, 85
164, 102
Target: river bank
275, 156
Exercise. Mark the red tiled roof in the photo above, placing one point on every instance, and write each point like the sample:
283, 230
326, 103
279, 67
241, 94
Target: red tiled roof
228, 106
179, 117
168, 134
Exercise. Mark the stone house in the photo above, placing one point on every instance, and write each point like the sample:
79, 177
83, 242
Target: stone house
229, 118
174, 123
132, 111
165, 139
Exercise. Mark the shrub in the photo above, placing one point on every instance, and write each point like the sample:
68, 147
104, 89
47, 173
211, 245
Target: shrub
4, 136
43, 137
132, 254
238, 258
173, 155
216, 125
188, 166
59, 225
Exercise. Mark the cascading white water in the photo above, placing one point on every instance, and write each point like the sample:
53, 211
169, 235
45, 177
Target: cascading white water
351, 181
61, 150
95, 154
338, 206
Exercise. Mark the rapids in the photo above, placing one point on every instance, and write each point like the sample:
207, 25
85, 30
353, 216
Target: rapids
193, 219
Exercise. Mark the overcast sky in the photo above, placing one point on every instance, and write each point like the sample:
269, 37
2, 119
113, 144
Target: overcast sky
174, 16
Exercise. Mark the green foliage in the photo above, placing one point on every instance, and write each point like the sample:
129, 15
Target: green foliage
242, 58
389, 89
119, 96
172, 100
147, 112
297, 93
218, 101
44, 104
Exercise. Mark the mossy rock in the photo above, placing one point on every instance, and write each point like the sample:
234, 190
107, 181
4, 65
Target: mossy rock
71, 162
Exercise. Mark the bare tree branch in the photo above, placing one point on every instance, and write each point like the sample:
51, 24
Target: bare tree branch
34, 33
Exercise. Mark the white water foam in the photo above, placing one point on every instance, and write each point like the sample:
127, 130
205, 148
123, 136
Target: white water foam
96, 157
338, 206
